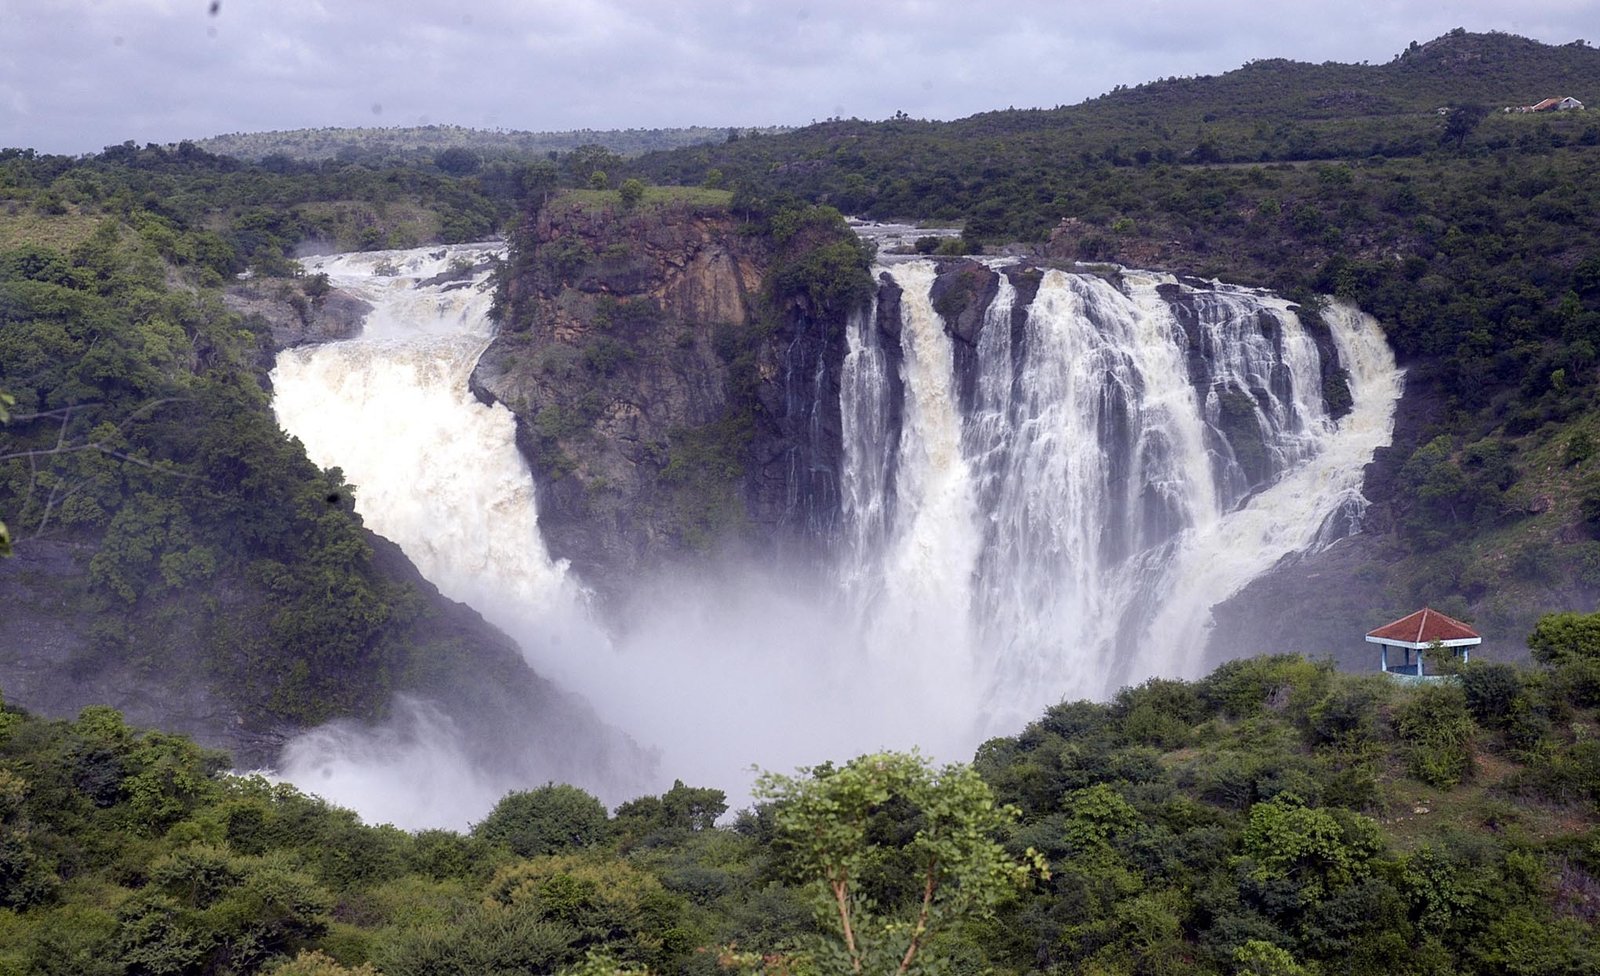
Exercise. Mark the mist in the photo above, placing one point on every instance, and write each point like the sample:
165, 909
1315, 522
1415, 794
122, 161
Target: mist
414, 770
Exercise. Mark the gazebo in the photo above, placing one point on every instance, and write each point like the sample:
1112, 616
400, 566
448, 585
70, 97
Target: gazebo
1420, 631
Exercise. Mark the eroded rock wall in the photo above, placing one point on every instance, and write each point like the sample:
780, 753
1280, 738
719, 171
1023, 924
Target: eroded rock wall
669, 404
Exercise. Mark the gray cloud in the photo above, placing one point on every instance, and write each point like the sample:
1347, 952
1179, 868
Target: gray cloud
77, 75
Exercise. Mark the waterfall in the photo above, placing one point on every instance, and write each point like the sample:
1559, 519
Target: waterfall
392, 408
439, 473
1133, 454
1044, 506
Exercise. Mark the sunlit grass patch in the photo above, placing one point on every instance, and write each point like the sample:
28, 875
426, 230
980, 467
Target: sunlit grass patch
21, 224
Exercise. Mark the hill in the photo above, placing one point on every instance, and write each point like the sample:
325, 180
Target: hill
1003, 171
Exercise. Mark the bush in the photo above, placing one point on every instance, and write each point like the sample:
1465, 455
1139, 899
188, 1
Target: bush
1159, 712
1437, 727
1348, 716
1243, 687
1562, 637
547, 820
632, 191
1491, 692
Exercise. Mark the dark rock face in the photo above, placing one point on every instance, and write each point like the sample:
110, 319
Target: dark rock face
961, 294
667, 406
292, 318
1335, 381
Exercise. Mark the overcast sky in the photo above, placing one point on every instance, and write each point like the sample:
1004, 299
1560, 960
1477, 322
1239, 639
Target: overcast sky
78, 75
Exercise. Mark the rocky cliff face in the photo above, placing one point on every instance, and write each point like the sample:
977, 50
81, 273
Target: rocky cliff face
673, 396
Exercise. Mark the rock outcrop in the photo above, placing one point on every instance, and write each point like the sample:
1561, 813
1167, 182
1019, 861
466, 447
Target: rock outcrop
293, 318
675, 380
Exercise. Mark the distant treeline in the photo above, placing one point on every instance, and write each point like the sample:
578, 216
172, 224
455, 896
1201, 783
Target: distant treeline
412, 144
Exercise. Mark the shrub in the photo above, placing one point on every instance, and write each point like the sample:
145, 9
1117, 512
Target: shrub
1562, 637
1347, 716
547, 820
1243, 687
1437, 728
1491, 692
632, 191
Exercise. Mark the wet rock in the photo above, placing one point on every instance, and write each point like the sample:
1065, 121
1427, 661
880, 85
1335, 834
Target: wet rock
292, 318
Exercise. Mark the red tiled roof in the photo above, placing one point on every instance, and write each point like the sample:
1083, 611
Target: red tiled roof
1424, 627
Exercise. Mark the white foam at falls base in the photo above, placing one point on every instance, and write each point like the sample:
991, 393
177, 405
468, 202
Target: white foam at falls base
914, 631
720, 673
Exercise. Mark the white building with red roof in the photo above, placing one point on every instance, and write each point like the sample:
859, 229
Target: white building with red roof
1420, 631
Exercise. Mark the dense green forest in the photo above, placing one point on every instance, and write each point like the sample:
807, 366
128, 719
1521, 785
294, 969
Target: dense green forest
1274, 817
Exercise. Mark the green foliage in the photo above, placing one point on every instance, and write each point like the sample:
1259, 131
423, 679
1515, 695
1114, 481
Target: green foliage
1562, 638
822, 265
144, 432
1260, 958
950, 868
1159, 712
1493, 692
631, 192
546, 820
313, 963
123, 850
682, 809
705, 466
1312, 851
1243, 687
1438, 729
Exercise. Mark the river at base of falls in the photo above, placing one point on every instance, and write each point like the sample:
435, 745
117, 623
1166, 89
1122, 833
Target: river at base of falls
902, 644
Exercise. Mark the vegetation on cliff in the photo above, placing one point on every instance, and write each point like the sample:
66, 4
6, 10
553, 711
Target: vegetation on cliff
454, 149
183, 534
1274, 816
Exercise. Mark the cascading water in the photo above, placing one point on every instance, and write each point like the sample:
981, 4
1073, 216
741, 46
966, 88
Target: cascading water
439, 473
1047, 511
1072, 529
436, 471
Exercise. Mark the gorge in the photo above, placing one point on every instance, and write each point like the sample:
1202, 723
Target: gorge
989, 487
